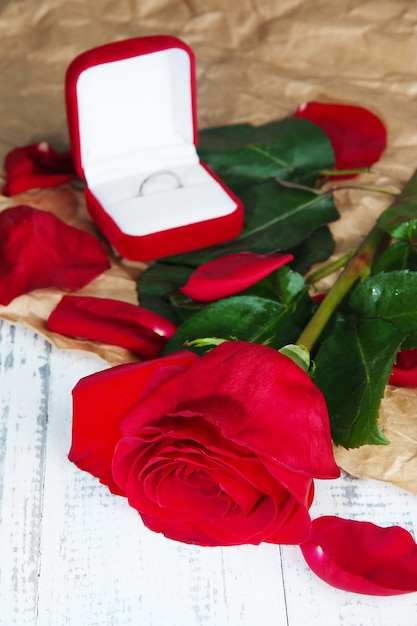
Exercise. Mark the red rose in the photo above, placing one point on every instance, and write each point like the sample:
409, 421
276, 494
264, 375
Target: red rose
34, 166
213, 450
404, 372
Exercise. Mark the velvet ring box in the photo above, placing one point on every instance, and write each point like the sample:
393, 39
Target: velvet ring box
131, 108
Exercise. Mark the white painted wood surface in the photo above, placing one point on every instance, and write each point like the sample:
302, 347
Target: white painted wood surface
72, 554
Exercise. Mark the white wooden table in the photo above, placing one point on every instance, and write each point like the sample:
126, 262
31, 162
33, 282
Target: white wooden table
73, 554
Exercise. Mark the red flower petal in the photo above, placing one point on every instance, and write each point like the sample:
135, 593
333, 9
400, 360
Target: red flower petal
215, 450
256, 400
362, 557
404, 372
230, 274
114, 322
101, 399
244, 377
36, 165
39, 250
318, 298
358, 136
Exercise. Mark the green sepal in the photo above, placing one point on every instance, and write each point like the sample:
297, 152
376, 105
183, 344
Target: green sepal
298, 354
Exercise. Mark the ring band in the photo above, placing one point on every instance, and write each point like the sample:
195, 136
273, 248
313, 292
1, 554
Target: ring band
174, 176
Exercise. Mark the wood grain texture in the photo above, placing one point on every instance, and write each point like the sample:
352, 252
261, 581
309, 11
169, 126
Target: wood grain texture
24, 372
73, 554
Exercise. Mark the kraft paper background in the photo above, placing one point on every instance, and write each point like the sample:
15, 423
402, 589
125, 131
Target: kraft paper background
257, 60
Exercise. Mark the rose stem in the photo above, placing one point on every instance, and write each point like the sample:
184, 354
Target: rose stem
356, 268
390, 192
353, 171
330, 268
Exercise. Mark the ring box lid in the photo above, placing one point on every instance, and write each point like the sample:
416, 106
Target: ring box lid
133, 97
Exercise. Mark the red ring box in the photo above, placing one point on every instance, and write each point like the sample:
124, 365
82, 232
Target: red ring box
131, 108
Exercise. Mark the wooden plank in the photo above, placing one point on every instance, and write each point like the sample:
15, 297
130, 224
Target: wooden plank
309, 598
24, 372
100, 565
73, 554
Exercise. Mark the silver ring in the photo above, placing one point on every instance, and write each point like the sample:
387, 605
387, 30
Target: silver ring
173, 176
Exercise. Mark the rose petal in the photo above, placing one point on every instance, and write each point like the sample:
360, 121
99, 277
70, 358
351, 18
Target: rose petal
100, 400
318, 298
39, 250
362, 557
199, 444
114, 322
404, 372
36, 165
231, 274
232, 387
358, 137
295, 525
190, 512
256, 374
262, 524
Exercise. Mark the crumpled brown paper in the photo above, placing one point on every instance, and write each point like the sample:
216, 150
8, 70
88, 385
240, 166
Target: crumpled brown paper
257, 60
397, 462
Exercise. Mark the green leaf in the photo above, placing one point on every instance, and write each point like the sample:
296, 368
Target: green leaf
315, 248
276, 219
391, 296
288, 284
410, 343
352, 369
291, 149
155, 286
399, 256
247, 318
353, 365
400, 219
283, 285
